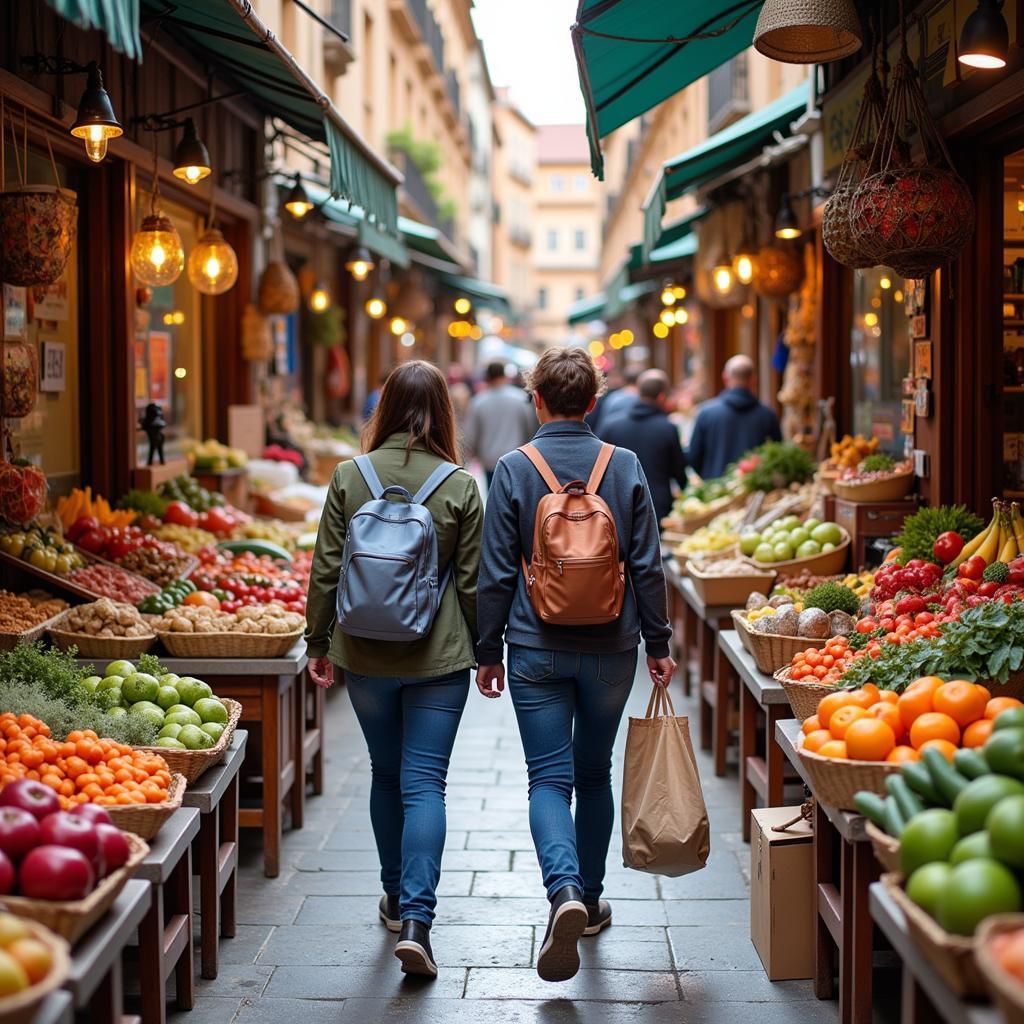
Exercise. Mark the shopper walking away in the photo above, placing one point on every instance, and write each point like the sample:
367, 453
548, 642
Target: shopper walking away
401, 623
615, 402
571, 588
646, 430
500, 419
732, 423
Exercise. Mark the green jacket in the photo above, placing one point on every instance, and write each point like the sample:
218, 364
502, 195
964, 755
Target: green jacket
458, 518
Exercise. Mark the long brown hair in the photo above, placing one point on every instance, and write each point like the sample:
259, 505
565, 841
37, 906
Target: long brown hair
415, 400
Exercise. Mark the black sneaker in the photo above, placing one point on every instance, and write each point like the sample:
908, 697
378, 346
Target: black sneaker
559, 959
390, 913
599, 917
414, 950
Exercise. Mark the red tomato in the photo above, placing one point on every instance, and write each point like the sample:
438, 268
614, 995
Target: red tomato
178, 513
947, 546
972, 569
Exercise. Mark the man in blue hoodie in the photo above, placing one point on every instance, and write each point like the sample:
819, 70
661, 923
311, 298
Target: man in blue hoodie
731, 424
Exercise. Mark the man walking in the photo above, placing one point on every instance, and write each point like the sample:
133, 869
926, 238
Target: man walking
732, 423
500, 419
646, 430
569, 683
615, 401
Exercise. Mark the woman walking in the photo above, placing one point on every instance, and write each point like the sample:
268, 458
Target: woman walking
408, 676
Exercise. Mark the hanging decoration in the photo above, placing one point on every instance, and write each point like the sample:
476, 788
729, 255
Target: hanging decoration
913, 217
807, 31
278, 289
777, 271
157, 256
257, 337
799, 407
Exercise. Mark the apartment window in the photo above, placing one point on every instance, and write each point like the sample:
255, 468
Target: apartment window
579, 183
557, 183
579, 294
542, 298
552, 239
580, 239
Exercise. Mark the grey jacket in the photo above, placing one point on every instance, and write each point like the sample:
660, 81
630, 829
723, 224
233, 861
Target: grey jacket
504, 611
499, 421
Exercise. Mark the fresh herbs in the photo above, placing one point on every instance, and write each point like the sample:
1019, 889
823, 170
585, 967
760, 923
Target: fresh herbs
147, 502
858, 641
779, 464
920, 530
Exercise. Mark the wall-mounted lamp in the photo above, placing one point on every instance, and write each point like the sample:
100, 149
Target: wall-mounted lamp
191, 157
360, 263
985, 39
298, 203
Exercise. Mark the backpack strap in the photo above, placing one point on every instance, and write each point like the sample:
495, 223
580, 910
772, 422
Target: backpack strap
533, 454
431, 484
604, 456
369, 475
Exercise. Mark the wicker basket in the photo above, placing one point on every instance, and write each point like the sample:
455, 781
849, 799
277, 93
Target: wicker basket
951, 956
886, 847
804, 698
1007, 991
772, 652
192, 763
829, 563
266, 506
230, 645
71, 919
146, 820
22, 1007
728, 590
8, 641
890, 488
109, 648
835, 782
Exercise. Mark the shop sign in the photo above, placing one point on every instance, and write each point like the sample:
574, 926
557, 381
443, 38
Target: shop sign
50, 302
906, 416
15, 313
53, 372
923, 360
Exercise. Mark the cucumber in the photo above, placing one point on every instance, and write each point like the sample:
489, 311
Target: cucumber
919, 780
948, 781
906, 799
894, 821
970, 762
257, 547
872, 806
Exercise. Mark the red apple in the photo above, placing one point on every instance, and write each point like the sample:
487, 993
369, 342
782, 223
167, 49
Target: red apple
114, 848
6, 874
19, 832
55, 873
34, 797
92, 812
66, 829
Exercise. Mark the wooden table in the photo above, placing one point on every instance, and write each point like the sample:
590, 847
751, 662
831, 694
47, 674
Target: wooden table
762, 698
95, 981
56, 1008
215, 796
165, 934
926, 997
844, 923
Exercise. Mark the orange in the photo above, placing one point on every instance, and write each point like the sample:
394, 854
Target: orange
889, 696
929, 683
844, 718
813, 741
810, 725
913, 703
864, 697
986, 691
202, 597
901, 754
830, 704
834, 748
946, 748
934, 725
889, 714
869, 739
964, 702
872, 691
977, 733
997, 705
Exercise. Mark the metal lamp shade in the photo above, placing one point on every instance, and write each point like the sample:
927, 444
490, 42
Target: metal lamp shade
808, 31
191, 157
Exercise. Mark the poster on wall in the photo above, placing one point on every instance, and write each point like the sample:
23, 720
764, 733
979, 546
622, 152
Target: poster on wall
52, 368
15, 313
159, 366
141, 373
50, 302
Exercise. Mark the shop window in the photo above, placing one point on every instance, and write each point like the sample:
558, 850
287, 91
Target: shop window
168, 364
879, 356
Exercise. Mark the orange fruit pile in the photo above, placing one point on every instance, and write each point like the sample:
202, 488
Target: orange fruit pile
823, 666
878, 725
82, 769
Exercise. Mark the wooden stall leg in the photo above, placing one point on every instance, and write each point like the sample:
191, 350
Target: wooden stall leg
107, 1003
209, 895
824, 950
181, 933
847, 913
915, 1006
748, 748
317, 774
863, 930
151, 962
723, 705
272, 739
229, 834
705, 661
689, 644
775, 759
298, 793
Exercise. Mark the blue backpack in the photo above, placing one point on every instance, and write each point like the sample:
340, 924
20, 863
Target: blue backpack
389, 587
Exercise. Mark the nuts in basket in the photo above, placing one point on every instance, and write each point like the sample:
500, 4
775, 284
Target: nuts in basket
21, 612
263, 619
105, 618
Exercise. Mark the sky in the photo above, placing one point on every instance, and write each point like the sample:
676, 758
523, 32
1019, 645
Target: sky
529, 50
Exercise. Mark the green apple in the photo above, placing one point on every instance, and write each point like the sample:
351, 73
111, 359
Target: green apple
167, 697
170, 741
789, 521
749, 542
798, 536
110, 682
193, 738
214, 729
764, 553
91, 683
191, 690
811, 523
808, 549
171, 730
168, 679
827, 547
140, 686
827, 533
118, 712
120, 668
783, 551
210, 709
186, 716
147, 709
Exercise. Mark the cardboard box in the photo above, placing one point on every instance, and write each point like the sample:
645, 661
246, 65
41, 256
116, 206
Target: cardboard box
782, 909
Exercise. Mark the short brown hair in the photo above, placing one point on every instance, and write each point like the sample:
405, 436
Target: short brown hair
567, 380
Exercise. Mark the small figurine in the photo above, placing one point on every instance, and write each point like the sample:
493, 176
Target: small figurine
153, 424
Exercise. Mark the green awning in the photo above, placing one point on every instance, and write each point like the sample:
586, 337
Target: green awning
118, 20
677, 250
627, 295
613, 305
341, 212
728, 148
483, 293
228, 36
633, 55
586, 310
429, 246
672, 233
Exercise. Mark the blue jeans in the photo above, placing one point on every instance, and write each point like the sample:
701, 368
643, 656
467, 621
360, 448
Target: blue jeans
410, 727
569, 707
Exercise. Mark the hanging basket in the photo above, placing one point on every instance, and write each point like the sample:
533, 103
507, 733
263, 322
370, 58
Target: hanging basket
20, 378
778, 272
807, 31
278, 290
37, 230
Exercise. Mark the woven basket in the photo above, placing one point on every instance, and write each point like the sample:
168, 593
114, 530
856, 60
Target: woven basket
829, 563
146, 820
192, 763
804, 698
886, 847
71, 919
951, 956
808, 31
110, 648
230, 645
728, 590
890, 488
38, 224
8, 641
22, 1007
835, 230
1007, 991
835, 782
278, 290
772, 652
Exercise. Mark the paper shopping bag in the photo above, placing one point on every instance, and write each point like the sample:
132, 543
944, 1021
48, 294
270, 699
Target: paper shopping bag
665, 827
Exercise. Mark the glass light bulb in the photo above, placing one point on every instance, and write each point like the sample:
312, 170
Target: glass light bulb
398, 325
463, 306
722, 279
668, 296
96, 144
212, 265
682, 317
375, 308
319, 300
156, 254
360, 270
194, 174
667, 317
744, 267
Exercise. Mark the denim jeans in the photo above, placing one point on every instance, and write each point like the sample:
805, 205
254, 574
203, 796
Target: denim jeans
569, 707
410, 727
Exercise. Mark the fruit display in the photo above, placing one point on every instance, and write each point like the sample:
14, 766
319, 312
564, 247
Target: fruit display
131, 548
1006, 950
22, 491
22, 612
775, 465
1001, 541
187, 489
272, 530
189, 538
112, 581
789, 538
81, 504
850, 451
875, 467
262, 618
220, 520
211, 456
815, 665
105, 618
782, 616
31, 958
249, 579
43, 548
177, 593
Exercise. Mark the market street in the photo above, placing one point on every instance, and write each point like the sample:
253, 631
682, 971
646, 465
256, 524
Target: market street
309, 947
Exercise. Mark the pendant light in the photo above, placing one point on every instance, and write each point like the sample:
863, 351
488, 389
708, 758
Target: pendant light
191, 158
297, 203
808, 31
96, 122
786, 225
985, 39
375, 308
462, 305
156, 254
360, 263
319, 297
668, 295
212, 264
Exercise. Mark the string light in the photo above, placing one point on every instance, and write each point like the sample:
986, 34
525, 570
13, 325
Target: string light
682, 317
667, 317
462, 305
668, 295
596, 349
319, 298
399, 325
885, 283
721, 278
743, 265
871, 319
375, 308
660, 330
408, 340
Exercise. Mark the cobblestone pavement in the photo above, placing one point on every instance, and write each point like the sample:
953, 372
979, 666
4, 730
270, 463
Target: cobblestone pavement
309, 947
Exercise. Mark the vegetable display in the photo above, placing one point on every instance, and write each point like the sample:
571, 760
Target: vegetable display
105, 618
22, 612
113, 582
81, 503
43, 548
774, 465
922, 530
186, 489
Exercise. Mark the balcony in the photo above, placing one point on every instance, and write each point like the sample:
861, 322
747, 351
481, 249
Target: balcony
518, 235
430, 31
451, 83
728, 94
337, 53
417, 192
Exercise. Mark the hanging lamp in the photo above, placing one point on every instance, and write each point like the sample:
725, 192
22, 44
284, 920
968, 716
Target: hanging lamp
297, 203
157, 256
191, 157
96, 122
808, 31
985, 39
360, 263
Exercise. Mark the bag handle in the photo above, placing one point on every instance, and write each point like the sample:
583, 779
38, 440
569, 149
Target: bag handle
604, 456
660, 704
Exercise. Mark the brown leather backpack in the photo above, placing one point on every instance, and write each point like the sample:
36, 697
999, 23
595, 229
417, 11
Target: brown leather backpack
575, 577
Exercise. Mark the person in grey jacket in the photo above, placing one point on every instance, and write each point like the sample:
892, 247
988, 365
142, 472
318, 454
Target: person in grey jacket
500, 419
569, 685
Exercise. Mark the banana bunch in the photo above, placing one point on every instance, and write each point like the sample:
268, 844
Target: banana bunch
860, 583
1001, 541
